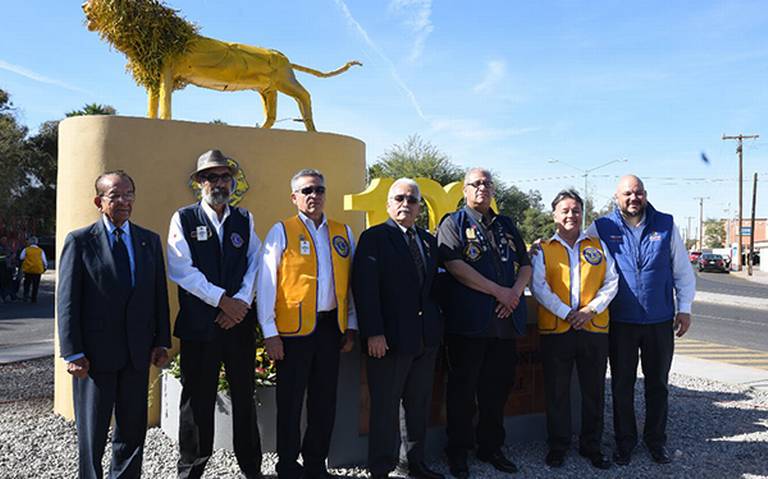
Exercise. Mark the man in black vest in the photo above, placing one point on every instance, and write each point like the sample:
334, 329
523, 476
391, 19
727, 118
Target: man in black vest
489, 269
212, 256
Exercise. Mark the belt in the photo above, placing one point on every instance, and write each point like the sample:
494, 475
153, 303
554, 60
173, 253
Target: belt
327, 314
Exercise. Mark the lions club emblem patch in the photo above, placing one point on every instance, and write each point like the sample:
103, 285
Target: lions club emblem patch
593, 256
237, 240
341, 246
472, 251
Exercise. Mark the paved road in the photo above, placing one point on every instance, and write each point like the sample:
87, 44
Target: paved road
738, 318
28, 323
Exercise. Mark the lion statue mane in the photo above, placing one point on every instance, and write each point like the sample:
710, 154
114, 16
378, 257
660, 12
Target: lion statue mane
165, 53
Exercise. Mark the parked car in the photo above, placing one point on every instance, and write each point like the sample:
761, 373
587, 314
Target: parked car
712, 262
693, 257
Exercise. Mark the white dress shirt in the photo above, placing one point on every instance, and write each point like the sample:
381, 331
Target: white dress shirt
182, 272
682, 274
271, 255
547, 298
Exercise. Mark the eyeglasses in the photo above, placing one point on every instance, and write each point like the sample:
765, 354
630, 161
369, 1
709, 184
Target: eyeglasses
308, 190
214, 178
126, 197
412, 200
478, 183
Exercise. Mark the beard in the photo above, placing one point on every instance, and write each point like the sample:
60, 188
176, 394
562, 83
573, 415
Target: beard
216, 196
633, 214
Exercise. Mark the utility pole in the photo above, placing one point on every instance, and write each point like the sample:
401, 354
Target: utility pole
752, 227
701, 220
688, 232
739, 149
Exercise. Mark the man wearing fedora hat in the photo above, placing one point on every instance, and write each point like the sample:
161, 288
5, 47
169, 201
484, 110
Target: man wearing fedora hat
212, 256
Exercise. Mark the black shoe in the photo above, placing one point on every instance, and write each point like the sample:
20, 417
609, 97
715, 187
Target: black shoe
421, 471
622, 458
597, 458
660, 455
457, 464
555, 458
498, 461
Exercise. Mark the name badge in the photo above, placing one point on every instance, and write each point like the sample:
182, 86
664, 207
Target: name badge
202, 233
470, 234
304, 247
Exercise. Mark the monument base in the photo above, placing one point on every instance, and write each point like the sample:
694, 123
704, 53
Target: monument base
161, 154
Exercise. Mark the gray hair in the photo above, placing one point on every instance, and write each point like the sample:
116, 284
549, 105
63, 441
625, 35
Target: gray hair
32, 240
477, 169
306, 172
404, 181
569, 193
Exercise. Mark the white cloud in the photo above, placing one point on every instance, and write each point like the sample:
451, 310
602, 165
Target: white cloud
26, 73
417, 15
495, 72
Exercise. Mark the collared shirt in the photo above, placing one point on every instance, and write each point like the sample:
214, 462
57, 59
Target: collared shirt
182, 272
45, 260
682, 273
126, 239
547, 298
272, 254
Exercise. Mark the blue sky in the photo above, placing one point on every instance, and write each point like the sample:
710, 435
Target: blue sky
508, 85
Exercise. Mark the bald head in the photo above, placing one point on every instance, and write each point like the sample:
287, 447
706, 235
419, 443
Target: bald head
631, 196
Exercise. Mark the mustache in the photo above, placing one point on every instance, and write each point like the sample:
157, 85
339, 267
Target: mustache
217, 196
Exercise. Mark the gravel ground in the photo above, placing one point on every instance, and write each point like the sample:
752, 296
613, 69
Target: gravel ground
716, 431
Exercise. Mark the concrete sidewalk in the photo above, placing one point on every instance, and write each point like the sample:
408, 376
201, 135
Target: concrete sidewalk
757, 275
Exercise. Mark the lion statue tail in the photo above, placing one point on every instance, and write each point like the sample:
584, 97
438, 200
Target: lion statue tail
320, 74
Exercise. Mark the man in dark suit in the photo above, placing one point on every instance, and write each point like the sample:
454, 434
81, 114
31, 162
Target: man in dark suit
113, 322
393, 274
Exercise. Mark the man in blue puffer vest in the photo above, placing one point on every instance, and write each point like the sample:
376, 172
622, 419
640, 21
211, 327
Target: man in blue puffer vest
652, 264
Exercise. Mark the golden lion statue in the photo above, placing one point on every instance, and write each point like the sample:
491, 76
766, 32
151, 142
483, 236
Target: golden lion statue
165, 53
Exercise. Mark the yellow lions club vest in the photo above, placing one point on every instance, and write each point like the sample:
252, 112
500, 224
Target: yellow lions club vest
33, 261
592, 264
296, 301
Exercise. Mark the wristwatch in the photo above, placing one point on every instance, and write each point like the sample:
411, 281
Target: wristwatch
592, 310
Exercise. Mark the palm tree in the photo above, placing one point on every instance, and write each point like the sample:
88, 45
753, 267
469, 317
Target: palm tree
93, 109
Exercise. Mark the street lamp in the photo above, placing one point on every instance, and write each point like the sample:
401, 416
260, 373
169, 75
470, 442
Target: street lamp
585, 174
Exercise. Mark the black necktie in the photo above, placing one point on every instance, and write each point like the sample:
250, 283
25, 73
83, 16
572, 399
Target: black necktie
122, 262
416, 254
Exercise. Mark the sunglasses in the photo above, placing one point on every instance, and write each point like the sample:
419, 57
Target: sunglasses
477, 184
410, 199
214, 178
308, 190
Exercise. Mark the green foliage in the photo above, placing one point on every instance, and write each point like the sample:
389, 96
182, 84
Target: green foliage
416, 158
714, 233
93, 109
536, 221
13, 181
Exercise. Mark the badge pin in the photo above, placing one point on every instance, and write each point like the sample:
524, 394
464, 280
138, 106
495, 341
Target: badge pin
237, 240
341, 246
304, 247
470, 233
202, 233
593, 256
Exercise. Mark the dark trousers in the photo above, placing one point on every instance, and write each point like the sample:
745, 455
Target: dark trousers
33, 280
95, 398
394, 378
481, 372
656, 344
200, 364
311, 366
589, 353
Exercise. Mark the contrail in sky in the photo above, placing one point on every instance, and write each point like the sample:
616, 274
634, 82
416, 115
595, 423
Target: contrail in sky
392, 70
26, 73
